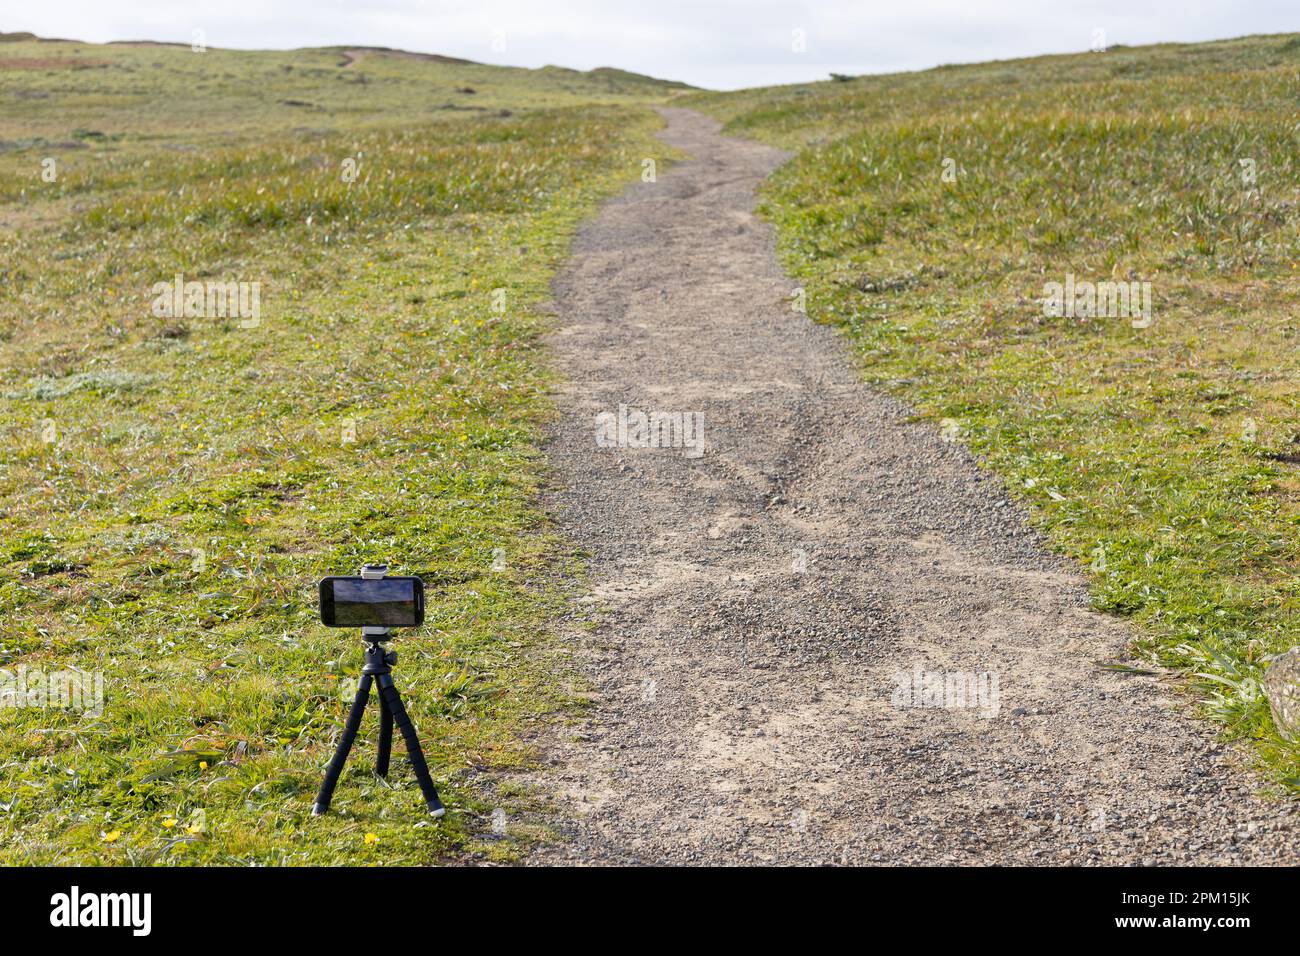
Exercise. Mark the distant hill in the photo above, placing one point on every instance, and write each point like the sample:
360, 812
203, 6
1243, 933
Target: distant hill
147, 88
628, 76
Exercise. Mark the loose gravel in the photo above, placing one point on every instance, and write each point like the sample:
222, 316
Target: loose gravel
758, 605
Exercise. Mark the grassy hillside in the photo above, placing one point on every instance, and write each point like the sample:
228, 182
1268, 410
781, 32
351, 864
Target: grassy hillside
155, 92
1164, 454
172, 486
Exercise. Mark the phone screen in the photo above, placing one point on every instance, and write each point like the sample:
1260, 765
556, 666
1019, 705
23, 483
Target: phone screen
382, 602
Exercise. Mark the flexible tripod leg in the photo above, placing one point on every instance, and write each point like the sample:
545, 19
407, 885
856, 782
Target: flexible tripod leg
335, 768
388, 694
385, 737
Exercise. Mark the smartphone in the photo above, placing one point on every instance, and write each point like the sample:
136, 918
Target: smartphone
372, 602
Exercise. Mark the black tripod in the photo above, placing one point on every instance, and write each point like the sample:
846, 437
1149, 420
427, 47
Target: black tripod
378, 668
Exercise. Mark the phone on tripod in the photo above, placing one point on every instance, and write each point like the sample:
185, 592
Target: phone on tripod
375, 603
372, 602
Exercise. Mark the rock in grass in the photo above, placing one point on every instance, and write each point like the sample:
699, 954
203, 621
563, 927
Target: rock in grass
1282, 687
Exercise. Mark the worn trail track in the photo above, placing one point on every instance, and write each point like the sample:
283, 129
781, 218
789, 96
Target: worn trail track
757, 603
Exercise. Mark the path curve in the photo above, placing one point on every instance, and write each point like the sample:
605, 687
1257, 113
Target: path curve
759, 602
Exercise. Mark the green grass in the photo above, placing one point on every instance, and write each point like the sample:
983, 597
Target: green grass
171, 488
1166, 459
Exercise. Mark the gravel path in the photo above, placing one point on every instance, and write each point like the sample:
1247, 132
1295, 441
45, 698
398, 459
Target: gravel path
758, 603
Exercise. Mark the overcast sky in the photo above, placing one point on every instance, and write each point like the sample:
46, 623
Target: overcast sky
723, 44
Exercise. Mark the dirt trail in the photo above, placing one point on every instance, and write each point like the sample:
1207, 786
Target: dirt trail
758, 602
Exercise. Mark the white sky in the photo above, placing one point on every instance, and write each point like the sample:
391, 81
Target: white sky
722, 44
